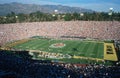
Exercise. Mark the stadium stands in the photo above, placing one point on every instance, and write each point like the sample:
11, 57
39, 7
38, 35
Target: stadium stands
86, 29
12, 66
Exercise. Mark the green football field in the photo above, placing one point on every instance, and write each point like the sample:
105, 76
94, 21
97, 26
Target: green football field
92, 49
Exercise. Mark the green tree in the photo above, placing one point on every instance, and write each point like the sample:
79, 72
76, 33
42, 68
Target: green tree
67, 17
21, 17
11, 18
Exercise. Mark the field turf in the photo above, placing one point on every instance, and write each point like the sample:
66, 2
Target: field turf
93, 49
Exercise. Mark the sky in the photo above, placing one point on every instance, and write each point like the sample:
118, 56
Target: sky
96, 5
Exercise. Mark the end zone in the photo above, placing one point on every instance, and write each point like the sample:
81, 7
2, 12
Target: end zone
109, 52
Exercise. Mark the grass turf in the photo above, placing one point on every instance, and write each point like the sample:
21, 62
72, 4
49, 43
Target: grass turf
92, 49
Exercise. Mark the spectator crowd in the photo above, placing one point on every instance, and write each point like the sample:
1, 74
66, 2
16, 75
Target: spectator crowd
109, 30
12, 66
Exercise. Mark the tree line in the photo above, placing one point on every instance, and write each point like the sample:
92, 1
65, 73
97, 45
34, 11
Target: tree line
39, 16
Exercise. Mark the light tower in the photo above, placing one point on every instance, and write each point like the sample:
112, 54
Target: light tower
110, 12
54, 13
81, 15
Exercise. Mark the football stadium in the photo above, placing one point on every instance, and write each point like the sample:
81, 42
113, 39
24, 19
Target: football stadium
63, 49
59, 39
62, 41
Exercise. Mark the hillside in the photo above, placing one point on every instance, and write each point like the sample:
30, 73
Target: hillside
29, 8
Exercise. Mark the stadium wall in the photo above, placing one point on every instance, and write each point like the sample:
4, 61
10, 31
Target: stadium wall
91, 29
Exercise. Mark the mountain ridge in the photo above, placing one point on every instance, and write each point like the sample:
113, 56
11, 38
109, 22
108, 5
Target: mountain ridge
29, 8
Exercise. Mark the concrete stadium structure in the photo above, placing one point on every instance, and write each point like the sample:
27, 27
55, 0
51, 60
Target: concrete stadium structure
105, 30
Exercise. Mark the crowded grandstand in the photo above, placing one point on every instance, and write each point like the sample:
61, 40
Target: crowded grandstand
84, 29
